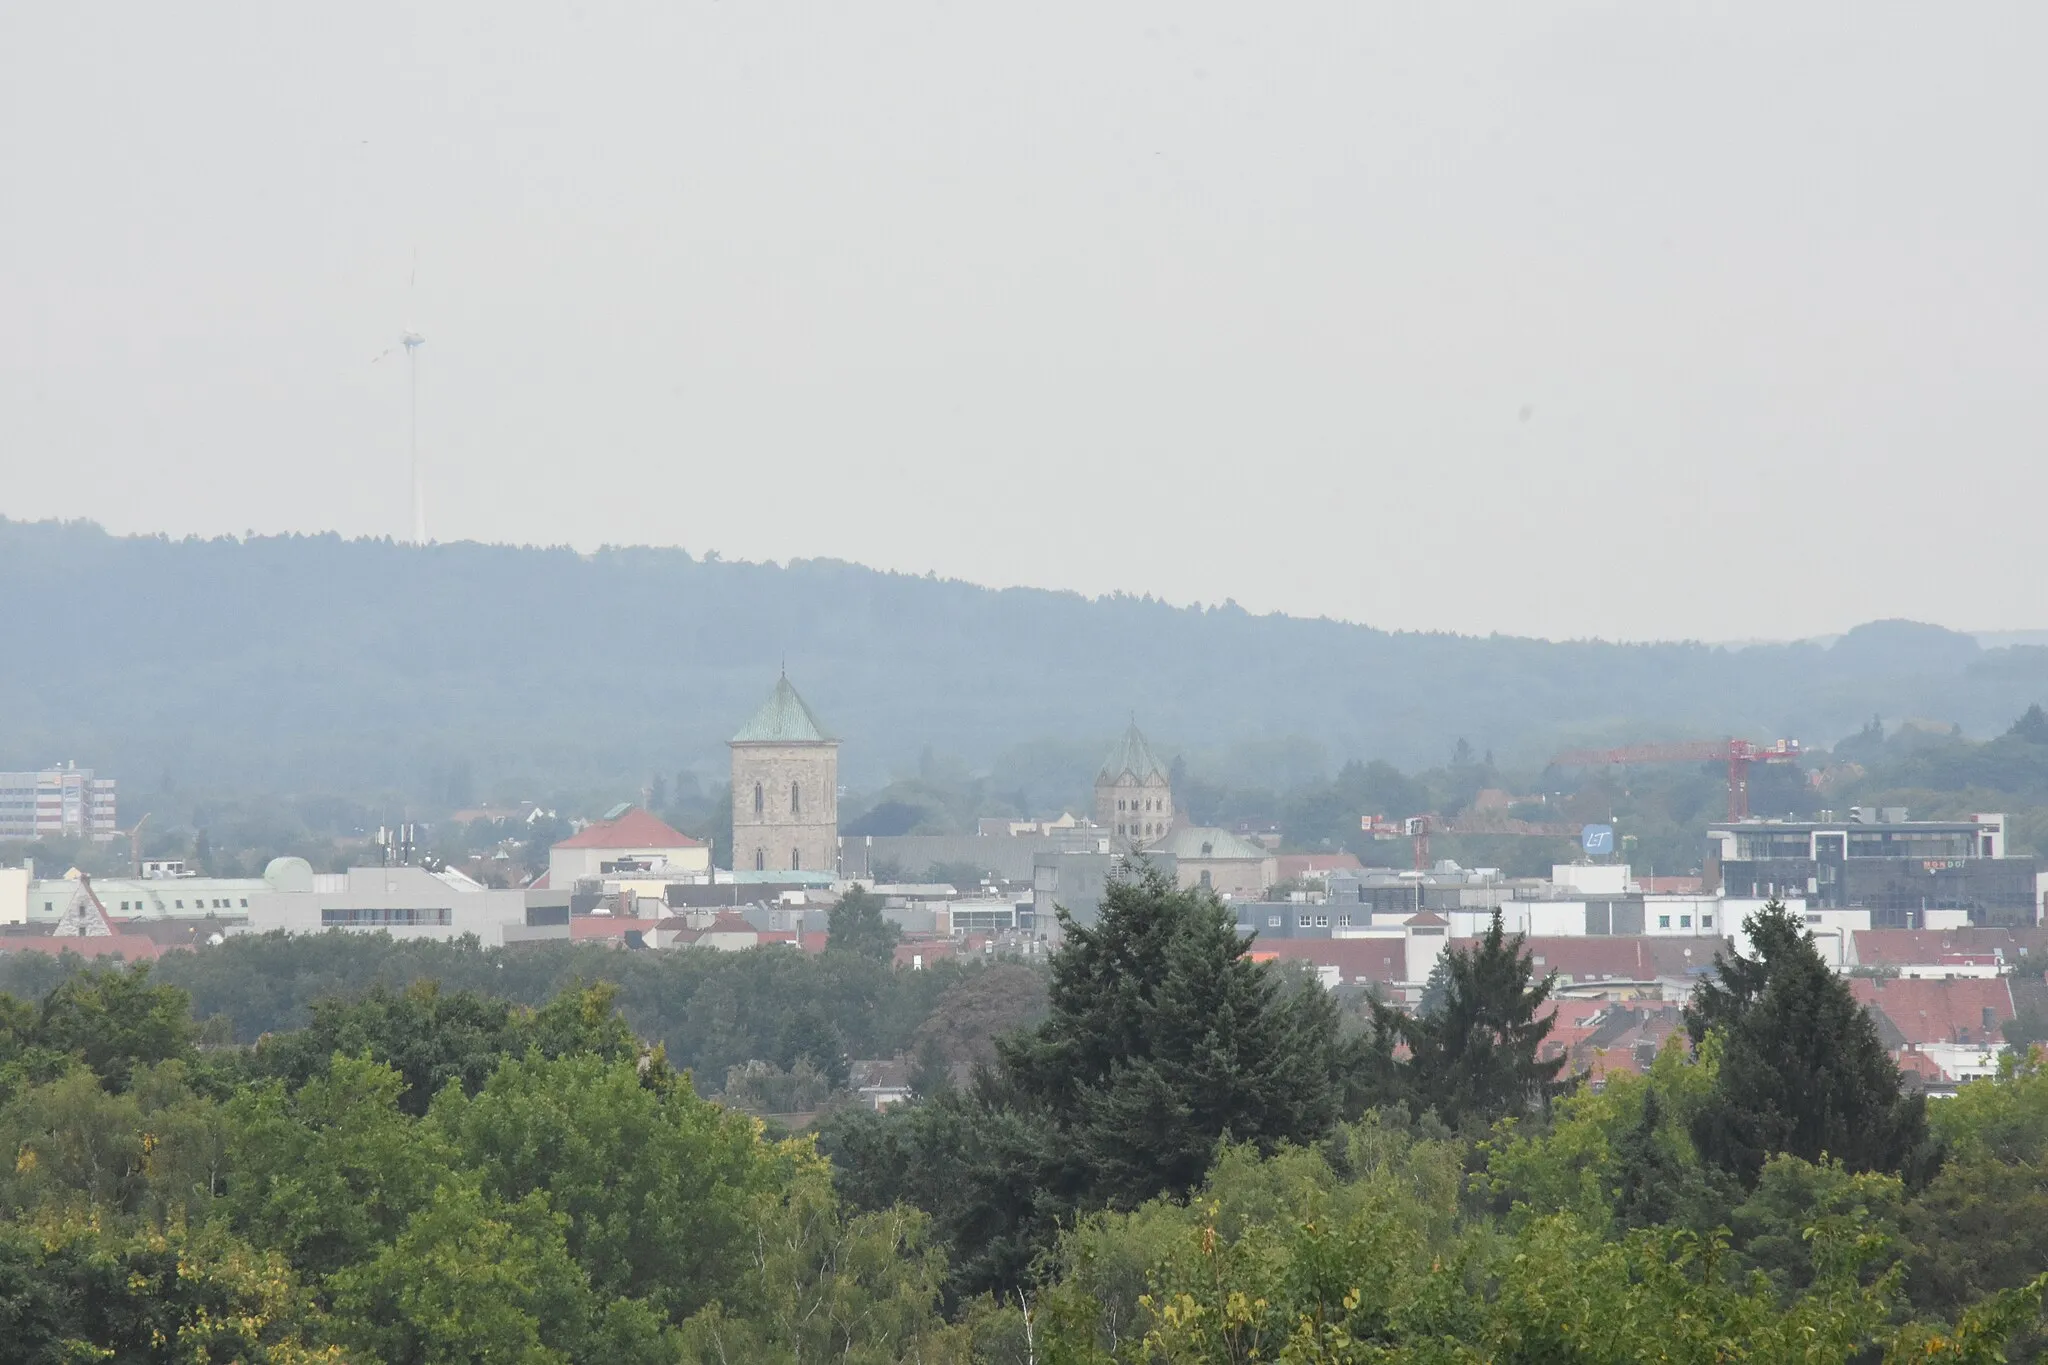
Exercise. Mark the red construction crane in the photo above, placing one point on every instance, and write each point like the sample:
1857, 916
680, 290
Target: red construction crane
1738, 754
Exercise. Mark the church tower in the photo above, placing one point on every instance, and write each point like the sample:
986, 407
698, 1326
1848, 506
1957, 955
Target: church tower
785, 789
1133, 795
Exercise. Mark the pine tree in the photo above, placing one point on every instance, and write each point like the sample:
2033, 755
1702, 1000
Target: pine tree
1476, 1057
1164, 1037
1802, 1069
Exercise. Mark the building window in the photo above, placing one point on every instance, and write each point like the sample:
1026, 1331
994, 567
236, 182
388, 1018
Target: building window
1272, 921
181, 905
1663, 921
760, 860
1301, 921
1343, 921
1706, 921
796, 861
796, 802
760, 799
1322, 921
1685, 921
245, 902
1205, 878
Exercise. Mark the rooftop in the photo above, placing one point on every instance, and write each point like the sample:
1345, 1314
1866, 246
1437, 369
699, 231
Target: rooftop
1950, 1010
1132, 757
783, 719
635, 829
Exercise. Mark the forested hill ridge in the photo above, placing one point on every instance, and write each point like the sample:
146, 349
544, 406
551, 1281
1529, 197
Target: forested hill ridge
295, 662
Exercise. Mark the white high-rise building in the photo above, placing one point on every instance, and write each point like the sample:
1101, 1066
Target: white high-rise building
57, 803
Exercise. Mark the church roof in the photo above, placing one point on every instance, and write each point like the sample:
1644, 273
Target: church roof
1198, 843
783, 719
1134, 756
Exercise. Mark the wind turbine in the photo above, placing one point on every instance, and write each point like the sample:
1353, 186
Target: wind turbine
412, 341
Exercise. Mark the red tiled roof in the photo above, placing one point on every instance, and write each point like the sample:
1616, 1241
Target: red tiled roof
1948, 1010
1672, 886
635, 829
1919, 947
129, 946
1599, 958
1356, 959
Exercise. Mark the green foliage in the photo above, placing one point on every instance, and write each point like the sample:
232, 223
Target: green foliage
113, 1020
857, 926
1164, 1036
1475, 1057
431, 1037
1801, 1067
75, 1289
564, 1197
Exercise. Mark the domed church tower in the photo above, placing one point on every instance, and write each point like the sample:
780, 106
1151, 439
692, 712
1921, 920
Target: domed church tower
785, 789
1133, 795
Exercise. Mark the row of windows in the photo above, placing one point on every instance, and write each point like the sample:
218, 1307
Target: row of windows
796, 799
198, 903
1685, 921
1149, 803
796, 860
1141, 831
356, 919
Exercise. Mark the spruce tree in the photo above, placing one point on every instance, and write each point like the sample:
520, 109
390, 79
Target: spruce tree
1802, 1069
1165, 1037
1476, 1056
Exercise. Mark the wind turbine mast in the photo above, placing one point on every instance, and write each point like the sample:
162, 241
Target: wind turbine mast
412, 341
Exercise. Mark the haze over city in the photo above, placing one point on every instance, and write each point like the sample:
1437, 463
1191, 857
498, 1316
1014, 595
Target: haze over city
1558, 320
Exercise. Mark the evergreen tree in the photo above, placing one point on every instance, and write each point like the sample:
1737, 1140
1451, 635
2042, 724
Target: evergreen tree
1477, 1056
2031, 727
1164, 1037
1647, 1176
810, 1036
1802, 1069
856, 925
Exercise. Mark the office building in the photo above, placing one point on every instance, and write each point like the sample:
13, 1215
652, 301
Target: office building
1898, 869
57, 803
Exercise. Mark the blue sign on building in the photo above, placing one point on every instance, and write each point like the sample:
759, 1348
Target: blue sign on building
1597, 840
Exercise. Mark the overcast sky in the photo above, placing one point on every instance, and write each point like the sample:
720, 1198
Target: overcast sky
1625, 320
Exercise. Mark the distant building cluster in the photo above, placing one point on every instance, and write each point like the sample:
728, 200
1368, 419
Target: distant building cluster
1928, 916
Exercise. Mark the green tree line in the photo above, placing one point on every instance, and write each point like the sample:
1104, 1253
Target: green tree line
1190, 1156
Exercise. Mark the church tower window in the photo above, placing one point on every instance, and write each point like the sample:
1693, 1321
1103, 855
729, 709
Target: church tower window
796, 804
760, 860
796, 860
760, 799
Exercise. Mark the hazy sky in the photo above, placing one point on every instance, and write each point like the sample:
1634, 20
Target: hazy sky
1630, 320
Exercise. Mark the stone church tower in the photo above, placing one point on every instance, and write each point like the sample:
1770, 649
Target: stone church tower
1133, 795
785, 789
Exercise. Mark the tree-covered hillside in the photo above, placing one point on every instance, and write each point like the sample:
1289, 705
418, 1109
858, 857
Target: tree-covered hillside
312, 663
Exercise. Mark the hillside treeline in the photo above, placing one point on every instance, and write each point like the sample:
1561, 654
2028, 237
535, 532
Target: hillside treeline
310, 664
1189, 1157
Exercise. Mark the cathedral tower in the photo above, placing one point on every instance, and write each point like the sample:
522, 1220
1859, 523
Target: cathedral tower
785, 789
1133, 795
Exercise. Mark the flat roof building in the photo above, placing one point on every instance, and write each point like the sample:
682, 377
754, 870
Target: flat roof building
1898, 869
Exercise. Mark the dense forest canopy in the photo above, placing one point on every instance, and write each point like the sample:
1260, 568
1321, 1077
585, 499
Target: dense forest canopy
311, 663
1180, 1155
